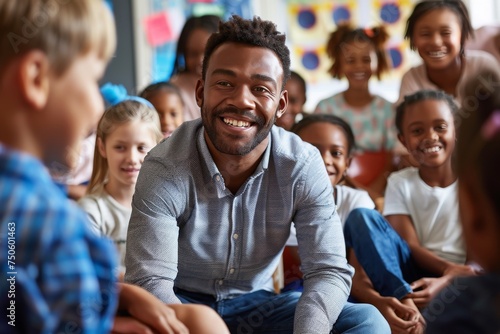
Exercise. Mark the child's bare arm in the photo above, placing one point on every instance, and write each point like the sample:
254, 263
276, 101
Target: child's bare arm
143, 310
401, 318
426, 288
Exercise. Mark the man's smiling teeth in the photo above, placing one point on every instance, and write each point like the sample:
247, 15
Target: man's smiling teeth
437, 54
233, 122
433, 149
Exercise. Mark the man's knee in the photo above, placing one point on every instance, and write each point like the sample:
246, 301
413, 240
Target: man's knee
374, 320
361, 318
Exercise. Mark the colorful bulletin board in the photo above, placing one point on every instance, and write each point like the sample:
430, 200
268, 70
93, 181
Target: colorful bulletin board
163, 25
311, 21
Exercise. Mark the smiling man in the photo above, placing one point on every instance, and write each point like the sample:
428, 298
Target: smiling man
215, 201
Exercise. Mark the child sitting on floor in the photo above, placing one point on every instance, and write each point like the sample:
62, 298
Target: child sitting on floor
416, 250
334, 139
472, 304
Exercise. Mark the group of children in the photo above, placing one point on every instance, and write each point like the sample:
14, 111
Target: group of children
416, 248
403, 258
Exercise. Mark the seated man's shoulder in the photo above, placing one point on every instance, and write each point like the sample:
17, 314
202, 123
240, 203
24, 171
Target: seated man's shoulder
179, 147
288, 145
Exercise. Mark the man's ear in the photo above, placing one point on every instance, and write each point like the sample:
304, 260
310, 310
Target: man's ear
283, 104
101, 148
199, 91
34, 78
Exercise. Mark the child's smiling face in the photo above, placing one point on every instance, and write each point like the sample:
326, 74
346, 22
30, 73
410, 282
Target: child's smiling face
437, 38
125, 149
333, 146
170, 109
358, 62
428, 132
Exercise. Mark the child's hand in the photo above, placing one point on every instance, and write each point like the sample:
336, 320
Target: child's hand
401, 318
147, 313
425, 289
129, 325
455, 270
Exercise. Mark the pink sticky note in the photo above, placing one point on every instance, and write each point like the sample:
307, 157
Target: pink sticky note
158, 30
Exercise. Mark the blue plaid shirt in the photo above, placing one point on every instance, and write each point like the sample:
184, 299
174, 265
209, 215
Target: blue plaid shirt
187, 228
56, 277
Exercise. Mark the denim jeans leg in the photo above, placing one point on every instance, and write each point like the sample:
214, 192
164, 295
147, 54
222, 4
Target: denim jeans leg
360, 319
384, 255
261, 312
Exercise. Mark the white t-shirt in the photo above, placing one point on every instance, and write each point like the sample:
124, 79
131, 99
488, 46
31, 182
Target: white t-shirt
433, 211
108, 218
348, 199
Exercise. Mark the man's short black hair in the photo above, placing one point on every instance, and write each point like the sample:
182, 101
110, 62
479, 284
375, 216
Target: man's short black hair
255, 32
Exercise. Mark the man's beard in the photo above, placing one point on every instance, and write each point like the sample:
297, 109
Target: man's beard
225, 146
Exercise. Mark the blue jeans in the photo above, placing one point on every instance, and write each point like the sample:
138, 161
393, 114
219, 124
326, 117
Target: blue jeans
383, 254
265, 312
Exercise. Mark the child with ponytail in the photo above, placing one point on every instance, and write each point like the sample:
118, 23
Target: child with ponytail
358, 54
125, 134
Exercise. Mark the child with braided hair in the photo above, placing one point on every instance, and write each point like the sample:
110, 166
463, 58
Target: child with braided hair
357, 54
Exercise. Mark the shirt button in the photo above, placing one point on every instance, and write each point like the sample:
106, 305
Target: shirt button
220, 282
235, 236
217, 178
231, 271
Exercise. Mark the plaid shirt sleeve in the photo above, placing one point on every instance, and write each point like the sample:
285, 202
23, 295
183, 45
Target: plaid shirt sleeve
64, 280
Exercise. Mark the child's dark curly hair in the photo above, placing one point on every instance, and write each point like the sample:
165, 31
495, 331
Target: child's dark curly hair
256, 32
345, 33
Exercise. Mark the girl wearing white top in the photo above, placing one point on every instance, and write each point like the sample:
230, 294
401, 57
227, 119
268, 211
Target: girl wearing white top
402, 259
125, 134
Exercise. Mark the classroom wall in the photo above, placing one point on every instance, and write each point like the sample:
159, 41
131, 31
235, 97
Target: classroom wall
148, 68
122, 67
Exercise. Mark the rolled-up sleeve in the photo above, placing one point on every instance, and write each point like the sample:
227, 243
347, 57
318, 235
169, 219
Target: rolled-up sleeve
152, 238
327, 275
